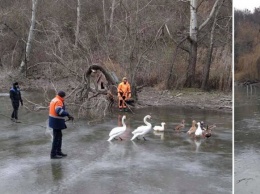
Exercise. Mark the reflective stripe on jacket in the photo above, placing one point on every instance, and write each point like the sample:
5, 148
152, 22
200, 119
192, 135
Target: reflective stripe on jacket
57, 113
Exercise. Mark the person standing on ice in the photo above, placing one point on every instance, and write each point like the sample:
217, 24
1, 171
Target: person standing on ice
16, 99
57, 114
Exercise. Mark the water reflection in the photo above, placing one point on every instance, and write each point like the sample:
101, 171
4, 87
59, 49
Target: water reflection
56, 169
197, 143
251, 90
247, 135
159, 134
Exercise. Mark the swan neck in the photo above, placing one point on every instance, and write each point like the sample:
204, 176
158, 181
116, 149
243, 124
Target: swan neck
123, 122
146, 122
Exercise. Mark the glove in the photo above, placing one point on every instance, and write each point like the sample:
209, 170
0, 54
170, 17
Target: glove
22, 102
71, 117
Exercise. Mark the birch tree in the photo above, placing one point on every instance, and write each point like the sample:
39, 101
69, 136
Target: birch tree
26, 59
112, 14
78, 24
104, 16
193, 38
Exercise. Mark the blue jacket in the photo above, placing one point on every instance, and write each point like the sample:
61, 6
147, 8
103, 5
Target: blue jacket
57, 113
15, 95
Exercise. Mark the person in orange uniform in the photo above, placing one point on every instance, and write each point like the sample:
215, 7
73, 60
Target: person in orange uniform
124, 93
57, 114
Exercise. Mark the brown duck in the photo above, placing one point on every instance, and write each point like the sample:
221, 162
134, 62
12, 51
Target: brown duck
208, 131
193, 128
180, 126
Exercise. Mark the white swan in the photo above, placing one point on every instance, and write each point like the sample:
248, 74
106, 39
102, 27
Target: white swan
115, 132
142, 130
198, 131
159, 128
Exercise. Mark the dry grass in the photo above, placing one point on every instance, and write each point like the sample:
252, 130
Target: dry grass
247, 39
246, 67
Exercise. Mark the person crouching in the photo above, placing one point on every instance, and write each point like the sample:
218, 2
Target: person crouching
124, 93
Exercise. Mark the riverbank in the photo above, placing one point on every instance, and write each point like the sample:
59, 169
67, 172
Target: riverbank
148, 96
190, 98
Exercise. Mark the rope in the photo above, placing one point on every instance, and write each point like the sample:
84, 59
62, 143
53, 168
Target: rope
128, 106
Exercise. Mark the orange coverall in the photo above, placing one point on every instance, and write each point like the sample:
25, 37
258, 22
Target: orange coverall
124, 93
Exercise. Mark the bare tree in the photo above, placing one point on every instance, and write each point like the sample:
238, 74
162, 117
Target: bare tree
193, 38
144, 40
112, 14
78, 24
30, 38
206, 69
104, 16
93, 98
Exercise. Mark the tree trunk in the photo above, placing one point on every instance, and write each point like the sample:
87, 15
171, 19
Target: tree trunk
193, 38
192, 64
206, 69
112, 14
190, 77
258, 67
78, 24
229, 84
109, 78
104, 16
24, 62
170, 75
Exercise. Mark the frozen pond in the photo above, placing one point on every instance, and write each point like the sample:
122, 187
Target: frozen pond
167, 162
247, 144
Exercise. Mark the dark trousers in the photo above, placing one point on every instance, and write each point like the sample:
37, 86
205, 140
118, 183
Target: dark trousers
15, 111
57, 142
122, 102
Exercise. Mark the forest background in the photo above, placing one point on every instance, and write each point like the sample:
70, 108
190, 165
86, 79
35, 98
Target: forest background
149, 41
247, 48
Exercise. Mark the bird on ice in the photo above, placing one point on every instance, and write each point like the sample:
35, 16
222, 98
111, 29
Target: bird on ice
198, 132
193, 128
142, 130
180, 126
117, 131
159, 128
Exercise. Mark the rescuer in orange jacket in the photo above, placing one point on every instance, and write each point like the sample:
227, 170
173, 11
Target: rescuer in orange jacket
124, 93
57, 114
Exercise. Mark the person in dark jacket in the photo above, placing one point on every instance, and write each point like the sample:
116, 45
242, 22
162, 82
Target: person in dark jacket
16, 99
57, 114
